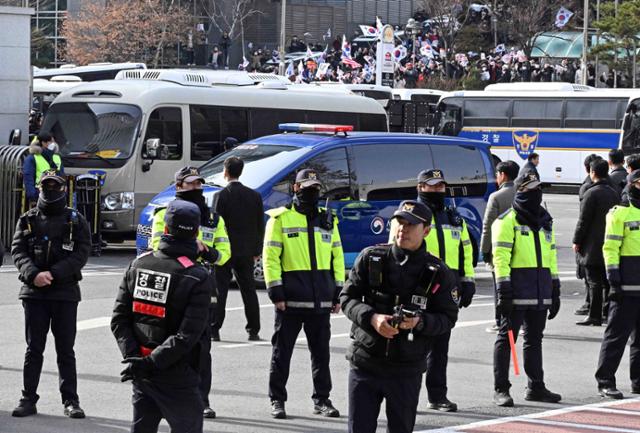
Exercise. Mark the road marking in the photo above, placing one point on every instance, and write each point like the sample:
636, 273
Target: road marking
537, 418
303, 339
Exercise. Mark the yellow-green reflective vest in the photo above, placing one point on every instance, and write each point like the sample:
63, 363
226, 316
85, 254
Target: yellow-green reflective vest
306, 279
456, 242
213, 237
42, 165
525, 261
621, 247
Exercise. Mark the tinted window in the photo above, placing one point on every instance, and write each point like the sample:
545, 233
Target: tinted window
165, 123
205, 132
265, 122
463, 169
542, 113
585, 113
388, 172
333, 169
333, 118
233, 123
373, 122
482, 112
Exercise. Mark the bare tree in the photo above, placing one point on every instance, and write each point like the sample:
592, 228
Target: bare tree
126, 30
449, 17
228, 15
520, 22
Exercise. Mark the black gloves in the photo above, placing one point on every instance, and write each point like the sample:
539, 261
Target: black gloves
505, 306
138, 368
555, 299
467, 290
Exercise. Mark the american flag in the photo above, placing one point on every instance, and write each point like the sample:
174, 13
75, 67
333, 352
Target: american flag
351, 63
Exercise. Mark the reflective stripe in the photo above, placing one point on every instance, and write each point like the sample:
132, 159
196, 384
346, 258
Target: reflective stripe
555, 277
157, 234
336, 244
522, 228
503, 244
502, 279
321, 230
274, 244
450, 227
614, 237
221, 240
613, 267
294, 304
530, 302
294, 229
467, 280
339, 283
632, 223
214, 300
466, 242
274, 283
631, 288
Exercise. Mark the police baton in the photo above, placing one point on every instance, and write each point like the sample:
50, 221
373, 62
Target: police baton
512, 345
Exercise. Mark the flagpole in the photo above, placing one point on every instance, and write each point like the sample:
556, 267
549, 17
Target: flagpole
615, 71
283, 17
585, 40
597, 60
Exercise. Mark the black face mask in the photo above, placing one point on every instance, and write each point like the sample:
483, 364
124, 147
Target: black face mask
194, 196
51, 201
527, 207
435, 200
307, 199
529, 200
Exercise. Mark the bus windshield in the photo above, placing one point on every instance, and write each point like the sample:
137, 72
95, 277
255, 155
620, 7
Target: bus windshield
260, 163
93, 130
631, 133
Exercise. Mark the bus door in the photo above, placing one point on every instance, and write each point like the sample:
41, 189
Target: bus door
162, 153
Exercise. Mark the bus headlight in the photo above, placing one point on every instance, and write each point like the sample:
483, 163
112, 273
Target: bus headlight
119, 201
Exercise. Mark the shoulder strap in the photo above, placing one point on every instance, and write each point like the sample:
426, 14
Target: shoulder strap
376, 262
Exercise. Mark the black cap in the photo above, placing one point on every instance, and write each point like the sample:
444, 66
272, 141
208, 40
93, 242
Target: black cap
414, 212
230, 142
633, 177
188, 174
528, 180
431, 177
182, 218
308, 178
52, 175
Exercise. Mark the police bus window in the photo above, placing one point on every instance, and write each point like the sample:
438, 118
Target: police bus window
631, 133
450, 112
165, 123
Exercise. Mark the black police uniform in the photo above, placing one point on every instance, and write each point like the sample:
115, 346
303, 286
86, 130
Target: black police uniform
159, 317
383, 277
50, 237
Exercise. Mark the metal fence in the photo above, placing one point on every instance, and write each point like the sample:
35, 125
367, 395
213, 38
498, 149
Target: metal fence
11, 190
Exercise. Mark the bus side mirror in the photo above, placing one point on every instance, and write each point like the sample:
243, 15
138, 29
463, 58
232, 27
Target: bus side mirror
15, 137
151, 147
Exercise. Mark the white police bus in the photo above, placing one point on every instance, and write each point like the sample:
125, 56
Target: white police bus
561, 122
142, 127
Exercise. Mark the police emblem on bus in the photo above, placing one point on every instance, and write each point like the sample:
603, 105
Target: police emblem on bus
525, 142
377, 225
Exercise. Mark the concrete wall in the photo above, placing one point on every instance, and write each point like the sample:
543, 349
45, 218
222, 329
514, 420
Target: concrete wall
15, 71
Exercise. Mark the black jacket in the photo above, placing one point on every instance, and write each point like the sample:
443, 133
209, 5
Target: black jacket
589, 233
586, 184
619, 179
163, 305
243, 214
529, 167
368, 349
38, 246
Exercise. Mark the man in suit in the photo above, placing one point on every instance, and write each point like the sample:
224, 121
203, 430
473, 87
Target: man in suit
242, 210
499, 202
533, 160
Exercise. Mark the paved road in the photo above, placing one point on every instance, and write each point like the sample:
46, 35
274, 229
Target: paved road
241, 368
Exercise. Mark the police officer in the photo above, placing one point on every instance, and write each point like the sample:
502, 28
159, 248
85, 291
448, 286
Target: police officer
50, 247
42, 157
304, 273
388, 355
213, 249
160, 314
526, 269
622, 257
449, 240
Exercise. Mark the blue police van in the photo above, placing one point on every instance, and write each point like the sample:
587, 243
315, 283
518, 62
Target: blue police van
365, 176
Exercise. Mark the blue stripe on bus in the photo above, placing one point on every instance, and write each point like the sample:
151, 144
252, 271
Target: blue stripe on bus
554, 139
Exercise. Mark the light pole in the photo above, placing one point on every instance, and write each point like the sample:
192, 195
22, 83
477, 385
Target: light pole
283, 17
585, 39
